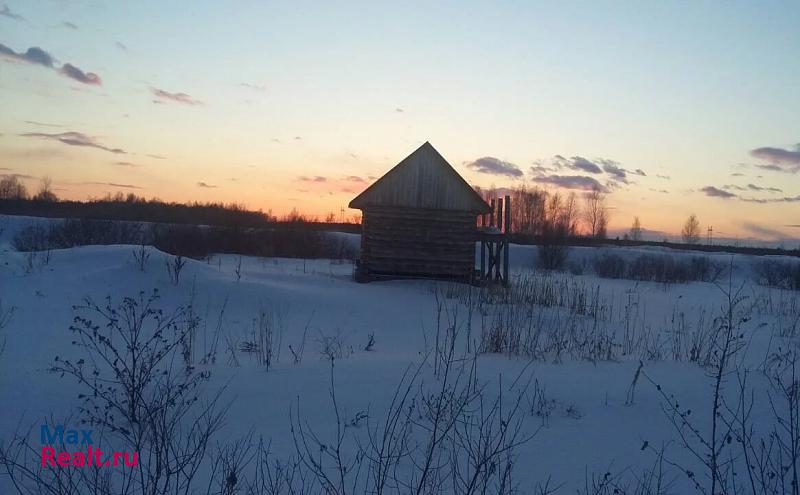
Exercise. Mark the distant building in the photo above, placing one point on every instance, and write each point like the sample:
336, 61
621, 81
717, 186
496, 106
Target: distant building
419, 220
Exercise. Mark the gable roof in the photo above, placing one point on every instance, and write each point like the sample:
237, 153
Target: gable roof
423, 179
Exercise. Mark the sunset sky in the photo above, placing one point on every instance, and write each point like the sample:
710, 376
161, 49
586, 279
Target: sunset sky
671, 107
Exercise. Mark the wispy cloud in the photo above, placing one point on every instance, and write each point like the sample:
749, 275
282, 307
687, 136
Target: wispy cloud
121, 46
69, 25
780, 160
6, 12
253, 87
715, 192
577, 163
126, 164
616, 172
399, 110
157, 157
165, 96
752, 187
73, 138
75, 73
762, 231
41, 124
316, 178
617, 175
494, 166
37, 56
578, 182
113, 184
206, 185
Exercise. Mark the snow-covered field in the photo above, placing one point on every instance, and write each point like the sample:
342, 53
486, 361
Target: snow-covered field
577, 404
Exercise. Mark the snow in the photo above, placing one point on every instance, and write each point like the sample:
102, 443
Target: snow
604, 434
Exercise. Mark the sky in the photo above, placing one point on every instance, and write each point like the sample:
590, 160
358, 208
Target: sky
672, 108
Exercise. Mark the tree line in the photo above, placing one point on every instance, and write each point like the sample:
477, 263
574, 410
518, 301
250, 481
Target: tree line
546, 214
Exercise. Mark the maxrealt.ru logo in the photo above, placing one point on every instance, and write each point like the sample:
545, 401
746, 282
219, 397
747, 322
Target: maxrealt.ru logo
84, 453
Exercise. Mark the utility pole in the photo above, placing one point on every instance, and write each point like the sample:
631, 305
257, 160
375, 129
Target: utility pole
341, 211
710, 234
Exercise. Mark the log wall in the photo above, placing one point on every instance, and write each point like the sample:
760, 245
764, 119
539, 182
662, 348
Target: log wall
418, 242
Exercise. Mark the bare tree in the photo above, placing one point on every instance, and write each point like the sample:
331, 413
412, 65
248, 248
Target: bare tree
691, 230
595, 214
45, 192
636, 230
12, 188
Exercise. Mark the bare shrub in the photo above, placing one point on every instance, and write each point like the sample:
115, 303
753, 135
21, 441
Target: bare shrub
297, 354
778, 273
138, 395
333, 347
450, 437
657, 268
140, 257
175, 265
553, 250
266, 336
238, 269
370, 345
609, 265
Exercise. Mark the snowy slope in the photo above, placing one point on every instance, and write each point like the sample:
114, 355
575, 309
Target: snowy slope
590, 429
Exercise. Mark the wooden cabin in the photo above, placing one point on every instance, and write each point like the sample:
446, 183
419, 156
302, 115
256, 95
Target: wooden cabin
419, 220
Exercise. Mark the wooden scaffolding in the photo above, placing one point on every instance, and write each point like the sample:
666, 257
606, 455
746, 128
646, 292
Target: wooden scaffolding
493, 234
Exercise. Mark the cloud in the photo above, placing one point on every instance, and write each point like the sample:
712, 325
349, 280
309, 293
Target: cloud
399, 110
121, 46
354, 178
37, 56
75, 73
33, 55
6, 12
316, 178
771, 168
206, 185
577, 163
113, 184
664, 177
254, 87
752, 187
578, 182
126, 164
763, 232
737, 174
785, 199
717, 193
166, 96
157, 157
495, 166
69, 25
616, 172
780, 160
41, 124
640, 172
73, 138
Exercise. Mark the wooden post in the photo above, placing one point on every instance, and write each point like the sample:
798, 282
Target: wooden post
491, 215
499, 213
483, 260
507, 225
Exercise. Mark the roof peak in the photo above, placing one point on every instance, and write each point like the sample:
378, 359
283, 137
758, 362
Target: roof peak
423, 179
